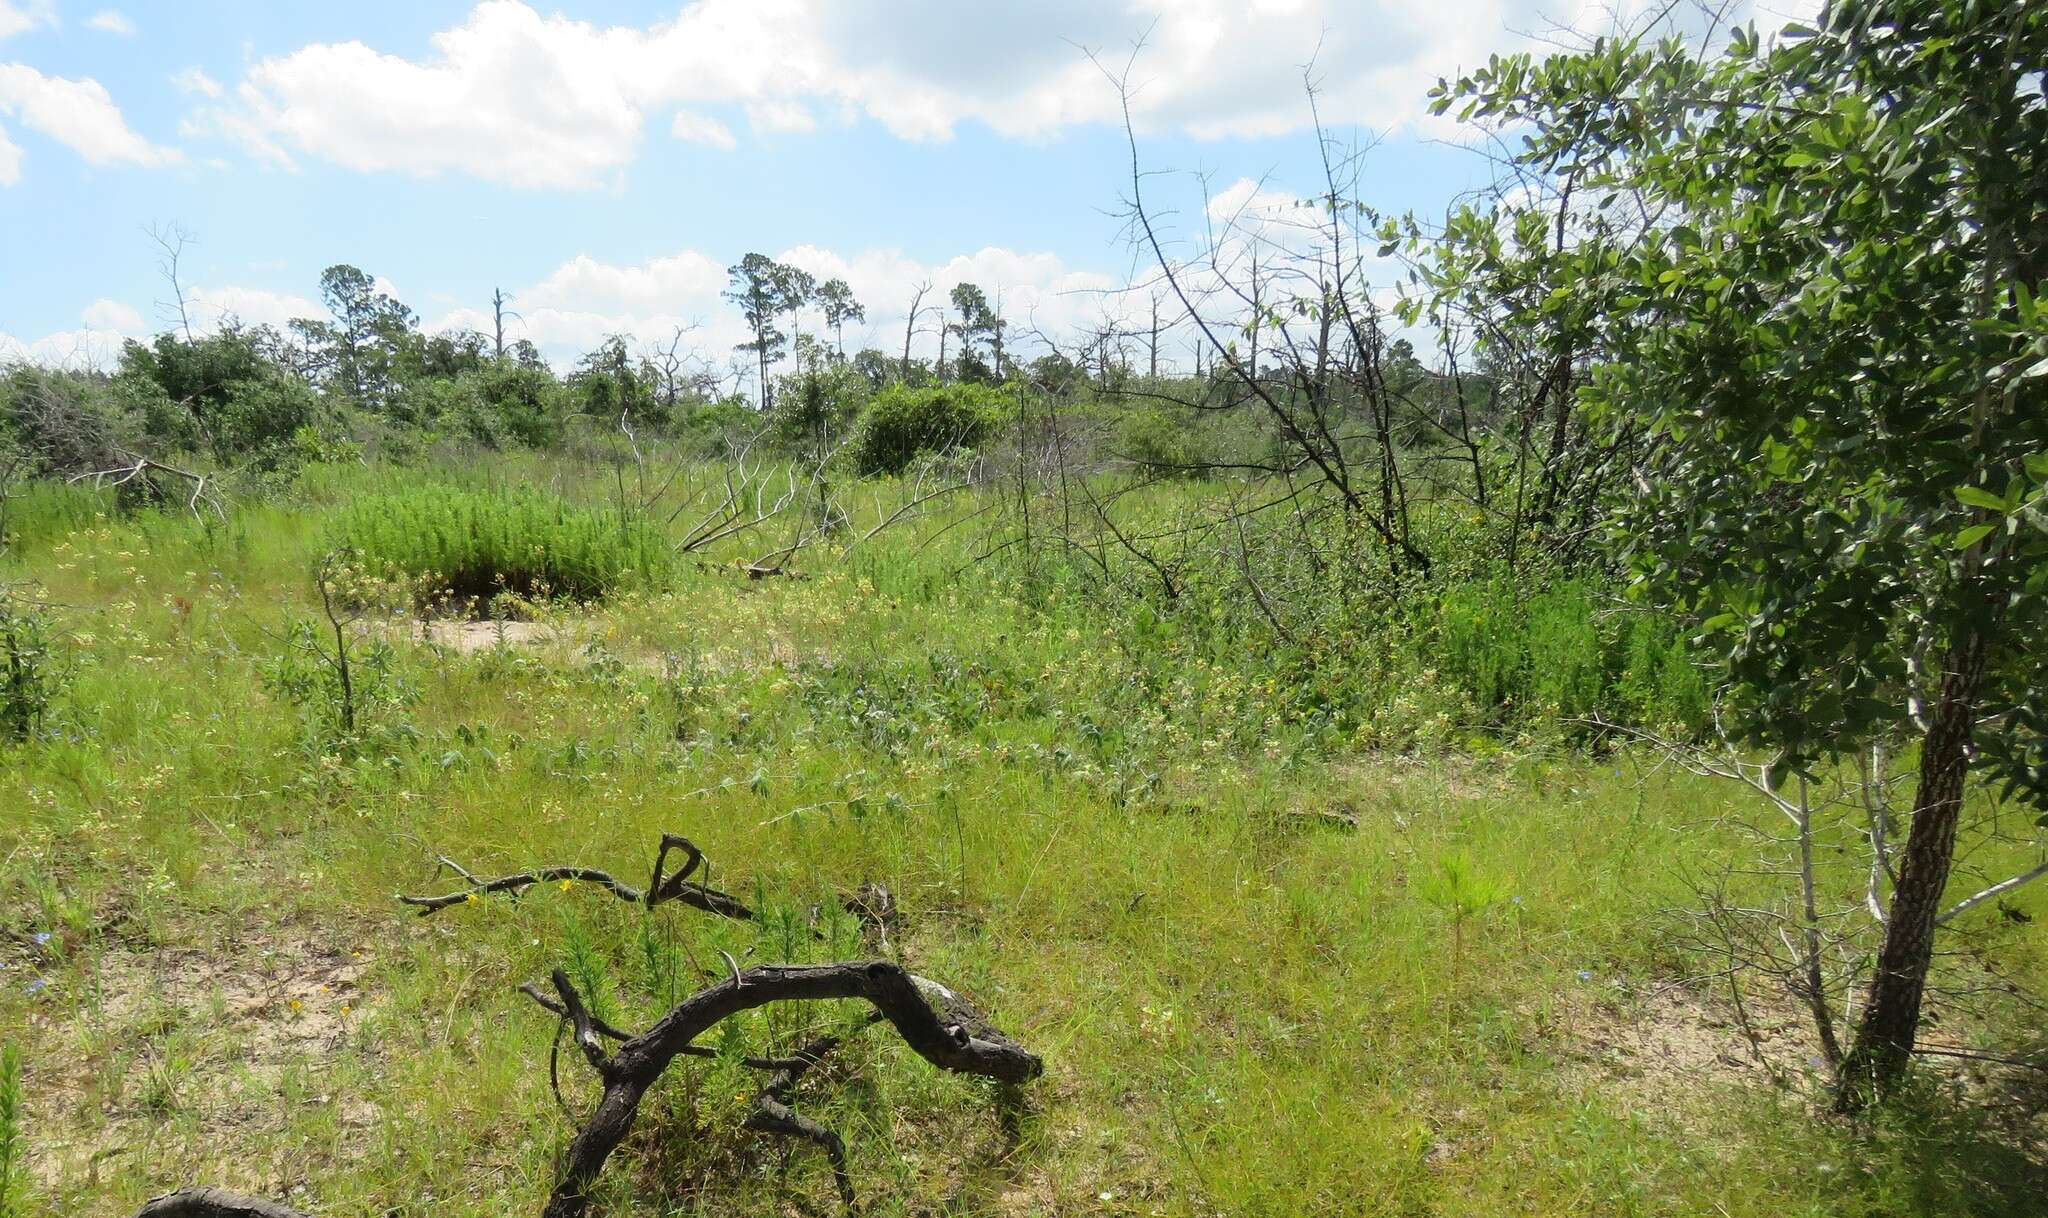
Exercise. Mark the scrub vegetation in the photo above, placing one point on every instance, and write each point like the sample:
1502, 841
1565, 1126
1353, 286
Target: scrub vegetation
1568, 740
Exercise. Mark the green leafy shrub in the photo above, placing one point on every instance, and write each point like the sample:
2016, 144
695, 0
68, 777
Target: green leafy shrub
480, 544
1160, 442
813, 410
29, 674
900, 423
220, 395
719, 429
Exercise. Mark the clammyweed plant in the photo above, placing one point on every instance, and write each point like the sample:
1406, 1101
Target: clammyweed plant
13, 1142
31, 672
338, 681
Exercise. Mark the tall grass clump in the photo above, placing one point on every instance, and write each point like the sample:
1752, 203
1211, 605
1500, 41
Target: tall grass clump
480, 544
13, 1143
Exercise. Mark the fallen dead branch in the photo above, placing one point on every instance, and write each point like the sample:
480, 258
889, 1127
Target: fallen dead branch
134, 467
936, 1023
675, 886
939, 1025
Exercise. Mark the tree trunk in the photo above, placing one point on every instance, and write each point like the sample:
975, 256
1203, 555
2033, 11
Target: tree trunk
1891, 1017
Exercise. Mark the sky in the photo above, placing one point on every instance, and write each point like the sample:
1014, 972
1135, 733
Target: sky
604, 161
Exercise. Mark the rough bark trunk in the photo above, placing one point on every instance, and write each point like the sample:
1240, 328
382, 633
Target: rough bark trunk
1891, 1018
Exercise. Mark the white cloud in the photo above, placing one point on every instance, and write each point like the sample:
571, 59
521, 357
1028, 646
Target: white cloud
104, 314
78, 349
585, 284
21, 16
779, 115
509, 97
109, 323
76, 113
251, 306
108, 21
702, 129
583, 301
196, 81
532, 100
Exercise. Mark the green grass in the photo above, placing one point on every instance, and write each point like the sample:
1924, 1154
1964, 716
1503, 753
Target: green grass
1225, 925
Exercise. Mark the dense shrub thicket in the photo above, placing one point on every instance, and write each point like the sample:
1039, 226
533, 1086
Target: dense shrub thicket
478, 544
902, 422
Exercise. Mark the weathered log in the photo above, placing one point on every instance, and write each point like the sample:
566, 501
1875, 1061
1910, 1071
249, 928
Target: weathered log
212, 1203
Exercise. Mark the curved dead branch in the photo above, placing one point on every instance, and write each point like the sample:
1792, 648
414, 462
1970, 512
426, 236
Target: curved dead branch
212, 1203
936, 1023
134, 467
674, 886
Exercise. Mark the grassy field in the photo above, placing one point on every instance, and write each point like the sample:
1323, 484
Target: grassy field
1240, 957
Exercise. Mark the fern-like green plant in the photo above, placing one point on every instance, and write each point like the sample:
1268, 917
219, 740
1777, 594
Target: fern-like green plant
1458, 888
482, 544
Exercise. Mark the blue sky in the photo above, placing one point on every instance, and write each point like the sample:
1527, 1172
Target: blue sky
604, 160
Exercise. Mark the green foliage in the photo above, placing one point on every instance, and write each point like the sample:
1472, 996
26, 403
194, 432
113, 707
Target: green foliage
902, 422
496, 403
371, 342
608, 387
817, 407
337, 710
221, 394
37, 511
1559, 654
1831, 345
1161, 442
720, 429
1459, 889
479, 544
13, 1138
31, 675
1834, 339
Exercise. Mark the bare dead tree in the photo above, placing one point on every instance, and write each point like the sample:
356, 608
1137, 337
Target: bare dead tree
910, 325
1327, 339
676, 372
171, 240
1152, 341
499, 313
